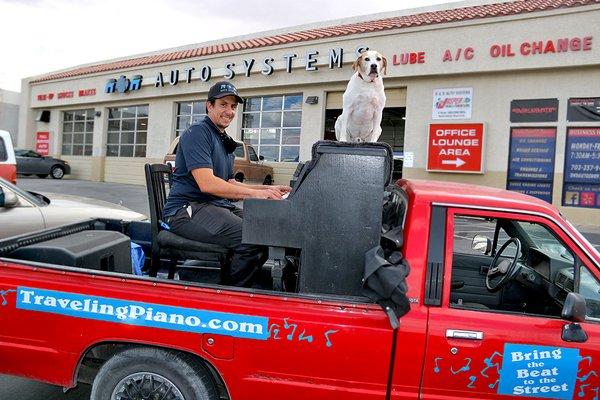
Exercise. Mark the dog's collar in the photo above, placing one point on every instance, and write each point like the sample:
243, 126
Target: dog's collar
363, 79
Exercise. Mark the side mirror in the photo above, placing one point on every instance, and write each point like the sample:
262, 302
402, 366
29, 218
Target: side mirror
261, 158
8, 199
574, 308
482, 243
574, 311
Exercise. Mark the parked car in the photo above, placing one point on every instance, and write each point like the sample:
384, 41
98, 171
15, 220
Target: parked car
8, 163
247, 166
24, 211
31, 163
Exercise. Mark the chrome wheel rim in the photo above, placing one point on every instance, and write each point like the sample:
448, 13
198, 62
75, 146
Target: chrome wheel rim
57, 173
146, 386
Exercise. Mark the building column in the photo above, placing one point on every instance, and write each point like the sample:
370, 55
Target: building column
98, 144
313, 122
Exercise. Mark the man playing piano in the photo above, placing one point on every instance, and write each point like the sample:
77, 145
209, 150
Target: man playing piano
199, 206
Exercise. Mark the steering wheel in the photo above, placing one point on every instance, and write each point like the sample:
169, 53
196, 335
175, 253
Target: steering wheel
505, 268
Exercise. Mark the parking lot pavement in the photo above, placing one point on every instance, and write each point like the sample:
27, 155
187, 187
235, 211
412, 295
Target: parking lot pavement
130, 196
24, 389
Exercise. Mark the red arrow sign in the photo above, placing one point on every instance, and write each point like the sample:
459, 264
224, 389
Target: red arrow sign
455, 148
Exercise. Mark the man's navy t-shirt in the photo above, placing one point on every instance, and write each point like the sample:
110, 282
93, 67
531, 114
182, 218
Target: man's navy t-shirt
200, 146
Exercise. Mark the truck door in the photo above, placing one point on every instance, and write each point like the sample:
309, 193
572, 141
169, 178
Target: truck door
497, 330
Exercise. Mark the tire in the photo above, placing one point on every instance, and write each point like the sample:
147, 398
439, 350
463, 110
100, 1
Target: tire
127, 375
42, 176
268, 180
57, 172
239, 177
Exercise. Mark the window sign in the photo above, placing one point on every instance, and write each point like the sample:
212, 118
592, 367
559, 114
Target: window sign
584, 109
581, 186
534, 110
452, 103
531, 161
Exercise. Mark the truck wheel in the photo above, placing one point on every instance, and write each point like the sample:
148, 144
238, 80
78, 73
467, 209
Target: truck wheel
239, 177
148, 373
268, 180
57, 172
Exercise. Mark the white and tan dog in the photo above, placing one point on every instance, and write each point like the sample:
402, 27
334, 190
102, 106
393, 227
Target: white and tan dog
363, 100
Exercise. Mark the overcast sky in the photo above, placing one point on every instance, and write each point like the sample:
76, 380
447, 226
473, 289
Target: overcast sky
39, 36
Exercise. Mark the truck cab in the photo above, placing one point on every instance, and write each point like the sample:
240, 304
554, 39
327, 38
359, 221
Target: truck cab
503, 300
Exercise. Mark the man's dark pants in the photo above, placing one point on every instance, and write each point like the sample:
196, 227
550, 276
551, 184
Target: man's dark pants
222, 226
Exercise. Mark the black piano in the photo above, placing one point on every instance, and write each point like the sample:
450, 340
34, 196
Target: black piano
332, 217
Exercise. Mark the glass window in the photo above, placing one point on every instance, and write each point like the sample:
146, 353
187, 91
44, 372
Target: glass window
589, 288
252, 154
239, 151
293, 102
272, 103
77, 132
127, 131
534, 281
272, 125
189, 113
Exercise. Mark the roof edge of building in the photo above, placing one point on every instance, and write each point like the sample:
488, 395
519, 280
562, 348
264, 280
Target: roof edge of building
302, 29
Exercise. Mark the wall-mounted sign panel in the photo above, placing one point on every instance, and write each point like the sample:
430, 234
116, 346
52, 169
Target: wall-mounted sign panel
455, 148
531, 161
581, 187
584, 109
534, 110
452, 103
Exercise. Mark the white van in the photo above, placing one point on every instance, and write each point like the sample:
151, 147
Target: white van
8, 162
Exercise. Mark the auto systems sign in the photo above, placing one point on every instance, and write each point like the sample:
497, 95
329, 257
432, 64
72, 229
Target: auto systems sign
264, 65
455, 148
452, 103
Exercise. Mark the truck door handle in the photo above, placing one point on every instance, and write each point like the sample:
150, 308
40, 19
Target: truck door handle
460, 334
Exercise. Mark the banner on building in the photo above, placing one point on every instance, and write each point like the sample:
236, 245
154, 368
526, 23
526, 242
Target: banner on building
534, 110
452, 103
584, 109
581, 187
531, 161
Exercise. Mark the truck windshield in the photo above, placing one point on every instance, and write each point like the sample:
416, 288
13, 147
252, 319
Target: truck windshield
545, 241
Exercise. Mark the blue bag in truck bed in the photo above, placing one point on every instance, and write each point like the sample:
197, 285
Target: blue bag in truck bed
137, 259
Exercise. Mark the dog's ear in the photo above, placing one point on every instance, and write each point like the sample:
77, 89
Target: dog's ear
384, 67
356, 63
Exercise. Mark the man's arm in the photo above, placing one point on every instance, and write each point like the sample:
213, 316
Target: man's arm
281, 188
209, 183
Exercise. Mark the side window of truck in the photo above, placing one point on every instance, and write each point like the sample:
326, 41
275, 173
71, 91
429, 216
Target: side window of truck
469, 228
487, 275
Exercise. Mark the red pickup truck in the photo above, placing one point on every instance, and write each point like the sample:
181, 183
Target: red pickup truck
504, 300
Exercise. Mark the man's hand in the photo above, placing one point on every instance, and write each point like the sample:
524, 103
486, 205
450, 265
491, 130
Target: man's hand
283, 189
268, 193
